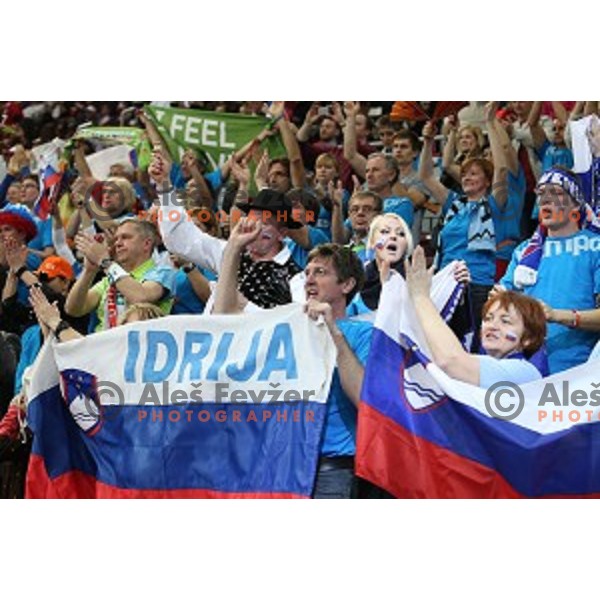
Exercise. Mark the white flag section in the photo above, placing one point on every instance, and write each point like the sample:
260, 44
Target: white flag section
279, 355
100, 162
46, 155
183, 406
574, 392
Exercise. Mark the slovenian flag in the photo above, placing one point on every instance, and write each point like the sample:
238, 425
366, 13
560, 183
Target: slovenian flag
186, 407
422, 434
51, 181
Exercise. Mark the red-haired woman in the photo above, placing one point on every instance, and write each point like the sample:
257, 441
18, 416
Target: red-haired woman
512, 331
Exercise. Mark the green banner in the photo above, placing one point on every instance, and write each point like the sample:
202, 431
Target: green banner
131, 136
215, 135
113, 135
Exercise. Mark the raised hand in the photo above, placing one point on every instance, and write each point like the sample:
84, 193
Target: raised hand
337, 114
93, 251
548, 312
452, 122
47, 314
312, 116
160, 167
245, 232
18, 160
351, 108
497, 289
320, 311
261, 175
418, 276
429, 130
385, 269
15, 254
490, 110
336, 193
276, 110
241, 172
190, 161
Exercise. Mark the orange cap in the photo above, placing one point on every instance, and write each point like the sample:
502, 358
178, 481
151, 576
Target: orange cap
56, 266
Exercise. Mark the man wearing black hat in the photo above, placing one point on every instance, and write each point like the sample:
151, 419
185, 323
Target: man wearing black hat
266, 266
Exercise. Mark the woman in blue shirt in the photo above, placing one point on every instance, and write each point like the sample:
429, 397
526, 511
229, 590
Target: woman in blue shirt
513, 330
472, 219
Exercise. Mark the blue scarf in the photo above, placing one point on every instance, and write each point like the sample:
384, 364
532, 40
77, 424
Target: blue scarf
481, 235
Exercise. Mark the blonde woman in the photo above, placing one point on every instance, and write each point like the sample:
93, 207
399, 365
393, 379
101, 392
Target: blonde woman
390, 241
463, 143
102, 206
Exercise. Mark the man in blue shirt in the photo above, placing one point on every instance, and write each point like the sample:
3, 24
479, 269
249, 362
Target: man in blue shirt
560, 266
333, 275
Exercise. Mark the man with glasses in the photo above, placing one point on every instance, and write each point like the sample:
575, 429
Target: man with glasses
362, 209
560, 266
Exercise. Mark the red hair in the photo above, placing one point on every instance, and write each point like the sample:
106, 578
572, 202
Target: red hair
532, 313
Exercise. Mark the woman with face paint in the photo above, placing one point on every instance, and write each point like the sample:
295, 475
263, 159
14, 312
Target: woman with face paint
513, 329
389, 241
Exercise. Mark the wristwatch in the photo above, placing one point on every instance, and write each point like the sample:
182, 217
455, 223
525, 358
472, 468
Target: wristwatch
188, 269
105, 263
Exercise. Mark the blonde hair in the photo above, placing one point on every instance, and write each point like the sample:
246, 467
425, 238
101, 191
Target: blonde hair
477, 133
328, 160
376, 224
126, 189
144, 310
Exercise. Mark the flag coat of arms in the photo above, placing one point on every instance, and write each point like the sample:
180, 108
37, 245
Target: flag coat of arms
183, 407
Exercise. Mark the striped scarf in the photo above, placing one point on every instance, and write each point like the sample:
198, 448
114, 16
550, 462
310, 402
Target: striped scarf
481, 234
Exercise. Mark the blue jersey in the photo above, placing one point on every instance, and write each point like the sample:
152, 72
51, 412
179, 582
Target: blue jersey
300, 254
43, 239
185, 300
401, 206
568, 278
555, 156
508, 225
339, 436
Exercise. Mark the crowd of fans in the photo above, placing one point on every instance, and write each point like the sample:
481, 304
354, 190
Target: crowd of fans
488, 189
